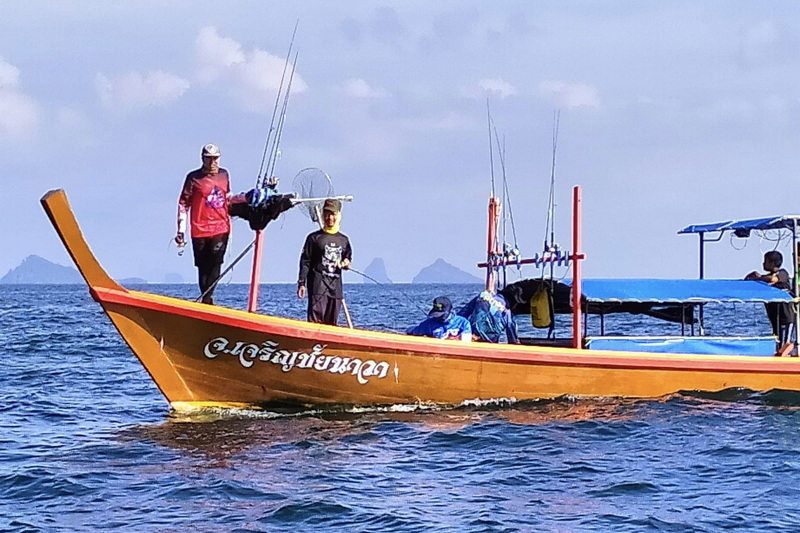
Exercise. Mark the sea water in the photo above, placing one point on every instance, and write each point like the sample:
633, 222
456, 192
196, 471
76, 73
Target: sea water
87, 443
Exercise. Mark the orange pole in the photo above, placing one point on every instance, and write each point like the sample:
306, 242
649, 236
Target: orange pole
252, 304
577, 257
494, 205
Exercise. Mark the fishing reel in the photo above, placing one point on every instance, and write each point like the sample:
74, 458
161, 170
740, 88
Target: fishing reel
552, 248
511, 254
259, 195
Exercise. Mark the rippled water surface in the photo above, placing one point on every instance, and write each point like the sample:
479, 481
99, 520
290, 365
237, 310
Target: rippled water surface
88, 443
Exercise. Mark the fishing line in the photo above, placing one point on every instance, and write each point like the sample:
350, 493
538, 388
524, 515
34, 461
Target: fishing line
225, 272
491, 150
384, 285
181, 249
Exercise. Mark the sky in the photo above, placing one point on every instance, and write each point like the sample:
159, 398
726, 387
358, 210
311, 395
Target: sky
670, 113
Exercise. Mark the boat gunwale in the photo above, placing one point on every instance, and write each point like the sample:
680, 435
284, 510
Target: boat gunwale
429, 347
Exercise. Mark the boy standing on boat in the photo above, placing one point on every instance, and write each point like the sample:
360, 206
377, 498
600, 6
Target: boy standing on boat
325, 253
205, 198
781, 315
443, 323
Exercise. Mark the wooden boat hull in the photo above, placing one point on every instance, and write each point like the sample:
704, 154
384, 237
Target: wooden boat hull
200, 355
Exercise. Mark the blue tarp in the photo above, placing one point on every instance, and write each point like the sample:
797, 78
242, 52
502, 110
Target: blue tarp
693, 345
779, 222
680, 291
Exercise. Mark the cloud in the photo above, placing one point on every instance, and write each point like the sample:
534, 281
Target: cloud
569, 95
253, 77
137, 90
497, 87
216, 54
759, 42
386, 25
19, 113
358, 88
9, 75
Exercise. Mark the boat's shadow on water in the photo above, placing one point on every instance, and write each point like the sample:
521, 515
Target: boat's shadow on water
774, 397
217, 435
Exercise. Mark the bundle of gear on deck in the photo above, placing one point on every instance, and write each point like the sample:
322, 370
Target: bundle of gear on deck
520, 296
262, 207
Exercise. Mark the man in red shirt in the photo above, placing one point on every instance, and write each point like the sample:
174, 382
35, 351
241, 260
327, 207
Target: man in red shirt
205, 198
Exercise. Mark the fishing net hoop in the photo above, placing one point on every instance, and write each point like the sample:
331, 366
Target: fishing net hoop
312, 183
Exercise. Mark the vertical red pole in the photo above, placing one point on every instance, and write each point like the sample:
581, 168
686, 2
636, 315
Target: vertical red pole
577, 257
494, 205
252, 304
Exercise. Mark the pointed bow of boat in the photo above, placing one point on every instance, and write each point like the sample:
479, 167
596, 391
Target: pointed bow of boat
57, 207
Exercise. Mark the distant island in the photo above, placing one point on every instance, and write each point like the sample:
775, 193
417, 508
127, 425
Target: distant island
173, 277
443, 272
377, 271
37, 270
132, 281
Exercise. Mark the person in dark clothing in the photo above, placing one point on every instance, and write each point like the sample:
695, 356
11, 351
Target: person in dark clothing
491, 320
204, 200
443, 323
781, 315
325, 253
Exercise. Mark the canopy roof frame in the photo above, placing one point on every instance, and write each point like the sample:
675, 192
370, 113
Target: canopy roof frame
742, 228
680, 291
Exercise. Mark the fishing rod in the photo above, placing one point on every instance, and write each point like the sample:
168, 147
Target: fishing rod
501, 153
225, 272
551, 201
268, 178
261, 175
491, 266
263, 178
491, 149
282, 120
384, 285
506, 200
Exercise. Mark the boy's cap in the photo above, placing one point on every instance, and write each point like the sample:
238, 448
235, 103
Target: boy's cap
441, 307
332, 205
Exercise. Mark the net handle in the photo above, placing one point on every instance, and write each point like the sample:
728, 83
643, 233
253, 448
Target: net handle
341, 198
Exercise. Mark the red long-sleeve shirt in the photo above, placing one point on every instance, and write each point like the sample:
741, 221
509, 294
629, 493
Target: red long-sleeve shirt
205, 197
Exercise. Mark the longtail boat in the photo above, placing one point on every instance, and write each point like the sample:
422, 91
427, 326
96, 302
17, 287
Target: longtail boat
210, 356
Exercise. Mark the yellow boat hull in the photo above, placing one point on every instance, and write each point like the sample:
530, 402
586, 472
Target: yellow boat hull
203, 356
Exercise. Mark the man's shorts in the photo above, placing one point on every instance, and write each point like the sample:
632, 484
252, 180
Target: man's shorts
209, 251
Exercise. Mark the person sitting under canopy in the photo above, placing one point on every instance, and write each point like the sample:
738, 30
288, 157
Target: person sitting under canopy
781, 315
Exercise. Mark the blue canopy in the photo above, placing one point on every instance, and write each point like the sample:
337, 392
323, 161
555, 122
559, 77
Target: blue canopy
779, 222
676, 291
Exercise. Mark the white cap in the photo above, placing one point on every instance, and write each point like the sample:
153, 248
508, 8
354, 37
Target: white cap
211, 150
